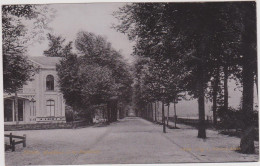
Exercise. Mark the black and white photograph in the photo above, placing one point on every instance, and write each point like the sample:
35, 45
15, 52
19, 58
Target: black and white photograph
169, 82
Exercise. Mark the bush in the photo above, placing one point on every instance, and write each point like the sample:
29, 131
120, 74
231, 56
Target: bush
234, 118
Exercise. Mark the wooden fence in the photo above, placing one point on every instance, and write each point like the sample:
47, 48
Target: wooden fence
13, 142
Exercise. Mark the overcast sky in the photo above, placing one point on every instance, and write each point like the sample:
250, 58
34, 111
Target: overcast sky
96, 18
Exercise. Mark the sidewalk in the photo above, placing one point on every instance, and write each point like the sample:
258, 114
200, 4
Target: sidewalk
215, 148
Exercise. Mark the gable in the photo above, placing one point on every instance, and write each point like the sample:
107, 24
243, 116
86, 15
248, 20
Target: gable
45, 62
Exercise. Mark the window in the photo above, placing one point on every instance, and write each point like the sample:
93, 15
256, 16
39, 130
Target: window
49, 82
50, 104
9, 114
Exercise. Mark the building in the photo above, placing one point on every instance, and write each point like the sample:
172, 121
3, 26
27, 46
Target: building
40, 101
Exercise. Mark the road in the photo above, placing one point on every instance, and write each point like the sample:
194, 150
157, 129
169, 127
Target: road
135, 140
129, 141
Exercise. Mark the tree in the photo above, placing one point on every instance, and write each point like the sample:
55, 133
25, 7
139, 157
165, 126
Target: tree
95, 49
83, 84
156, 80
16, 68
55, 46
249, 65
96, 76
215, 90
139, 69
69, 83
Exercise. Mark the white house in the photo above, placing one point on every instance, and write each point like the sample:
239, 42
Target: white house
40, 101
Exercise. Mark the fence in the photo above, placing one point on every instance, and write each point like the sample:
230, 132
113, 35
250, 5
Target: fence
13, 142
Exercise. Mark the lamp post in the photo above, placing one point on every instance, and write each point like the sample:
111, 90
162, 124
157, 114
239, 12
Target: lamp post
163, 115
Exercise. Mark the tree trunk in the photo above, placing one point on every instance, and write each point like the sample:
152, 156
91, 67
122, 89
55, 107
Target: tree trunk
247, 139
90, 117
256, 84
155, 112
119, 114
201, 103
147, 107
249, 39
116, 110
175, 115
103, 112
73, 115
108, 113
168, 111
225, 87
149, 111
16, 107
163, 117
152, 111
215, 93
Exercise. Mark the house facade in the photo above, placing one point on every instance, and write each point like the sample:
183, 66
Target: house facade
39, 101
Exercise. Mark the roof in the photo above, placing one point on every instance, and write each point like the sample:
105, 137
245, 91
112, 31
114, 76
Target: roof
45, 61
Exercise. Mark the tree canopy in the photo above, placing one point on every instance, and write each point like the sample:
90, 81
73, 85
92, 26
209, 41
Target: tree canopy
209, 40
16, 68
94, 75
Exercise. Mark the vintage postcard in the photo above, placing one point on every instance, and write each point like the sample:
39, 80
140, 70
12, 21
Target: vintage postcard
129, 83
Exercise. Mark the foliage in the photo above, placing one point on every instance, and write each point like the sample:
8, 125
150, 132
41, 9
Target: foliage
96, 50
98, 83
69, 83
171, 39
16, 68
202, 37
55, 46
233, 118
94, 76
15, 78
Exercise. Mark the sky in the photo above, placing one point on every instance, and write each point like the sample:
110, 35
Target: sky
92, 17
